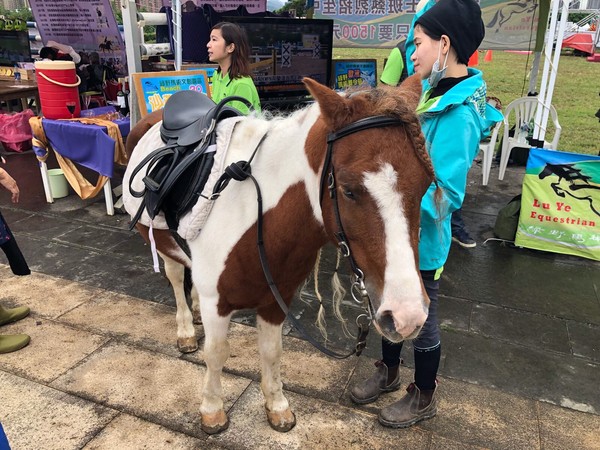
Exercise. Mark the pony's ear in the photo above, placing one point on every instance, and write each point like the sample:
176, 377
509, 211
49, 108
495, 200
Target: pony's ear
412, 88
335, 109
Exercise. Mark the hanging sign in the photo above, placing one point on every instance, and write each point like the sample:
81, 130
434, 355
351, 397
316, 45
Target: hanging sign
560, 204
153, 89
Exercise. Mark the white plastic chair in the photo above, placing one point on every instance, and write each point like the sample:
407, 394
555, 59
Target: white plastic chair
524, 110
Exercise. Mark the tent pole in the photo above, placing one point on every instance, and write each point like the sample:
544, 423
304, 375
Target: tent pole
533, 75
552, 53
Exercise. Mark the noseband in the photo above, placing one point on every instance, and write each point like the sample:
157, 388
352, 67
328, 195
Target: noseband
358, 289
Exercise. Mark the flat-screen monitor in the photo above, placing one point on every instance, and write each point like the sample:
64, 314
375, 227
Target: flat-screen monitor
285, 50
14, 47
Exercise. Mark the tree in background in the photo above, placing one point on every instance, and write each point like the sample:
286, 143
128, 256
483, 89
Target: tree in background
298, 5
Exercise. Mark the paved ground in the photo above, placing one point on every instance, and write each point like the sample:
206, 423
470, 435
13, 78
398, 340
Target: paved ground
520, 367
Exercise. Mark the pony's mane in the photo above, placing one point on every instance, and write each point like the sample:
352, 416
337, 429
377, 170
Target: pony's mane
393, 102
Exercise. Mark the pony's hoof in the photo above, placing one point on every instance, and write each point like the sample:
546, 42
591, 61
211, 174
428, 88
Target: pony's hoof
196, 317
187, 345
214, 423
282, 421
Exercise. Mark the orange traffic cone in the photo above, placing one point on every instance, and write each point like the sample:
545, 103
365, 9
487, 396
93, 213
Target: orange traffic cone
474, 59
488, 56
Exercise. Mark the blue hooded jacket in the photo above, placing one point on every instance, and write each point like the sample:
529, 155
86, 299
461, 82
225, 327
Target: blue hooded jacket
453, 125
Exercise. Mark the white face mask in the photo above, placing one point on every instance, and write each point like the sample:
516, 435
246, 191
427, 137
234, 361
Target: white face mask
436, 73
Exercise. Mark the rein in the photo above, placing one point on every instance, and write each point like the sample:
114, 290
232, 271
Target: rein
241, 170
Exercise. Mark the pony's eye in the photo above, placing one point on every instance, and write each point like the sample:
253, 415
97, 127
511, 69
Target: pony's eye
349, 194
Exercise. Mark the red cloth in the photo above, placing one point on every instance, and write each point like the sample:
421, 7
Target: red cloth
580, 41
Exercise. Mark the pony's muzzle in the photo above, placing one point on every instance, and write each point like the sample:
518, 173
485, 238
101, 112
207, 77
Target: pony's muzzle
397, 329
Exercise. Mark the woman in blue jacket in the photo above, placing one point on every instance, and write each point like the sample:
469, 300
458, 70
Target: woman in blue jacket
454, 118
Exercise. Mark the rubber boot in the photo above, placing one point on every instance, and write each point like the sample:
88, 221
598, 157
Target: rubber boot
415, 406
13, 342
10, 315
369, 390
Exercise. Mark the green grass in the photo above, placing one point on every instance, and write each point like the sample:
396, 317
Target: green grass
575, 93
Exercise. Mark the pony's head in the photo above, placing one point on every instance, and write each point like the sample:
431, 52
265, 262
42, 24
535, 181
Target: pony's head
373, 187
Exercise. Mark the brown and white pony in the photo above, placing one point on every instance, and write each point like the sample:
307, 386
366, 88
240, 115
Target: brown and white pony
381, 174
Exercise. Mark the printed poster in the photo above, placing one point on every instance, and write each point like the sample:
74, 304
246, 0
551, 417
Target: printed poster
509, 25
560, 204
153, 89
351, 73
85, 25
253, 6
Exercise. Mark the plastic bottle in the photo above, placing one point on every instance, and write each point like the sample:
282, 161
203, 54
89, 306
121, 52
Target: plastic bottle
17, 73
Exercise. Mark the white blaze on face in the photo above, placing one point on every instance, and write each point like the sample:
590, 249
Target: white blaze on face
402, 293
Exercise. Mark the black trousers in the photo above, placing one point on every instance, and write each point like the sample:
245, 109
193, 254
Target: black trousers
16, 260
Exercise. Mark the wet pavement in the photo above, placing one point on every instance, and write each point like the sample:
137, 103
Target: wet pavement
520, 332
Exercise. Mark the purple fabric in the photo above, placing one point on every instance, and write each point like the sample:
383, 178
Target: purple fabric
88, 145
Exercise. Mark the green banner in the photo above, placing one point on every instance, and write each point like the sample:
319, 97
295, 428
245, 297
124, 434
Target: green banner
560, 204
509, 24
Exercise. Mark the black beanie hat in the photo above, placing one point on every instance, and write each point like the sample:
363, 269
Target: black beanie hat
460, 20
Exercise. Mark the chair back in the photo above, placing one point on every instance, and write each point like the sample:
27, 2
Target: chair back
524, 110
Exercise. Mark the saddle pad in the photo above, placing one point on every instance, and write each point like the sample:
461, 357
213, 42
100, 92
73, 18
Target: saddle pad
190, 224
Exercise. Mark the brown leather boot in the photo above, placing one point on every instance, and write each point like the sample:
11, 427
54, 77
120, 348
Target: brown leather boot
415, 406
369, 390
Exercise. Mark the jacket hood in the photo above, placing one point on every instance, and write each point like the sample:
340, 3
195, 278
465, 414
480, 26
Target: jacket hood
471, 91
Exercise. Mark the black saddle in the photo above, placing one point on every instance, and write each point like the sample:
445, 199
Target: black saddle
177, 172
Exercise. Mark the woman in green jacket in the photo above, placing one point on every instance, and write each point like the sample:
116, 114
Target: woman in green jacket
228, 47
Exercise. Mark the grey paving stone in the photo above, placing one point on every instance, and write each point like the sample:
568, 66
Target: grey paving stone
585, 340
94, 237
38, 417
151, 386
319, 425
520, 327
454, 313
560, 379
562, 428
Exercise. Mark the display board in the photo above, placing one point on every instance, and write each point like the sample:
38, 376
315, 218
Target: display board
560, 204
85, 25
153, 89
354, 72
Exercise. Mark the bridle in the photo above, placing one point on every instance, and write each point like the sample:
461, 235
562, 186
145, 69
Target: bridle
358, 288
241, 170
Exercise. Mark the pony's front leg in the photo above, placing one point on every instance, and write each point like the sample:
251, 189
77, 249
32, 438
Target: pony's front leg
279, 414
216, 352
186, 334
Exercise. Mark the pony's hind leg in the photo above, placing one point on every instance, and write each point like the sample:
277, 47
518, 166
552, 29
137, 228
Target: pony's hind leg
196, 306
216, 352
186, 334
279, 414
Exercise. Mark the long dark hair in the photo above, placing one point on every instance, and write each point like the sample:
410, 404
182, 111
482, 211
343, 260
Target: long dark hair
234, 34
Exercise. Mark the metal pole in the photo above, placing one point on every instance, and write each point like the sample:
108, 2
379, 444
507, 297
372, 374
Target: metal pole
132, 49
176, 6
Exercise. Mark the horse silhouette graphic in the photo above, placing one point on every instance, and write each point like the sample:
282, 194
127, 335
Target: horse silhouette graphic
576, 184
504, 14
